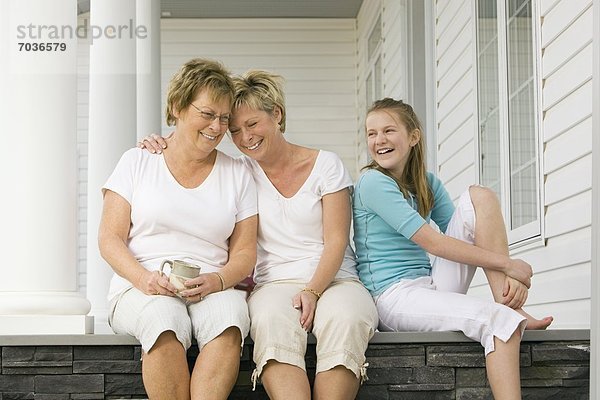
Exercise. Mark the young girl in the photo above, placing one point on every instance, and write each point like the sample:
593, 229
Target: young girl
393, 202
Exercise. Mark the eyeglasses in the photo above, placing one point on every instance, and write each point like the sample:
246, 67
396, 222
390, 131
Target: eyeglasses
210, 116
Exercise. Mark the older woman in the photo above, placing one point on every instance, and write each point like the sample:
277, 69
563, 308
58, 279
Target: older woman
306, 273
191, 203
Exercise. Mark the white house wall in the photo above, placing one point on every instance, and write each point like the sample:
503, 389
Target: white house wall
315, 56
393, 55
455, 106
562, 261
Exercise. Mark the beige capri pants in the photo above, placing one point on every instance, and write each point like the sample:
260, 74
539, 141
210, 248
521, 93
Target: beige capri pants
145, 317
439, 302
345, 320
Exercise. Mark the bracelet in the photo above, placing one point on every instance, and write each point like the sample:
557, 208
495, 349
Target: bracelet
309, 290
222, 280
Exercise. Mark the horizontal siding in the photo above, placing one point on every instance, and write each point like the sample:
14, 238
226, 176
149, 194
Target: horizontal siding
455, 95
569, 215
395, 47
450, 123
457, 184
575, 37
460, 138
560, 17
572, 179
569, 77
568, 147
564, 264
316, 57
572, 110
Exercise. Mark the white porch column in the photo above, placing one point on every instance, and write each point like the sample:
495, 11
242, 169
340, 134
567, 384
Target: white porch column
149, 113
595, 323
112, 127
38, 285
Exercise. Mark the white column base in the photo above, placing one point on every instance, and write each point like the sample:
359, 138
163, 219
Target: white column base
46, 324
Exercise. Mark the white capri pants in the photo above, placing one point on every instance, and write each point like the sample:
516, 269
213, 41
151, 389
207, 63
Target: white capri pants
147, 316
345, 320
439, 303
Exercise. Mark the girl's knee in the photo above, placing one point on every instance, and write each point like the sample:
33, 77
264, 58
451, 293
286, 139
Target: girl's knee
482, 196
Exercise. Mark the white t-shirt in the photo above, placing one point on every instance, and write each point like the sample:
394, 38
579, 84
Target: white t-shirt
290, 230
169, 221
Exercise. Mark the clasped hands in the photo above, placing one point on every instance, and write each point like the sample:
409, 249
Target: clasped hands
157, 283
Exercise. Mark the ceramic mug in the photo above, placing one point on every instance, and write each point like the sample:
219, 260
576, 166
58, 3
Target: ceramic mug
181, 271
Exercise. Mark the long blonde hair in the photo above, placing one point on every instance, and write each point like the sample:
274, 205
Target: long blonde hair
414, 175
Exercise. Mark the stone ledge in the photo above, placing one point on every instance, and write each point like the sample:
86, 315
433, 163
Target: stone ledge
379, 338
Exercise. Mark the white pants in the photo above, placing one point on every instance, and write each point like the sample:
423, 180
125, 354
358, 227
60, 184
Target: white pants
146, 317
439, 303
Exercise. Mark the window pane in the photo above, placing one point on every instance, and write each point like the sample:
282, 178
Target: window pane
488, 93
521, 115
524, 199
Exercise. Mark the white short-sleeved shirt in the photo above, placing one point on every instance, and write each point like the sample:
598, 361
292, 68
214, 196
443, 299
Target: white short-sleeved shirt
290, 230
169, 221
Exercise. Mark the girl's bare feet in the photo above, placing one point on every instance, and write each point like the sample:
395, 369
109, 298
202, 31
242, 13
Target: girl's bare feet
534, 323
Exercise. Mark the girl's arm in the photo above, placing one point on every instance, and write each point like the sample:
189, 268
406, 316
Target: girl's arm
456, 250
336, 232
112, 240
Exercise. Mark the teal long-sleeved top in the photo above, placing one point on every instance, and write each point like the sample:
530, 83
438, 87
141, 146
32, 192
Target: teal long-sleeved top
384, 222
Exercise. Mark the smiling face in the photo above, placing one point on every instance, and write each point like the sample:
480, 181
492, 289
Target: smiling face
389, 141
255, 131
203, 123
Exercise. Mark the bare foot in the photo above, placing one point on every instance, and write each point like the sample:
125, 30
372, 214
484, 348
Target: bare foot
534, 323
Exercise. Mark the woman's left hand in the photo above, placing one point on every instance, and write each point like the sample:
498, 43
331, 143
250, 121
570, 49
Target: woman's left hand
515, 293
306, 303
200, 287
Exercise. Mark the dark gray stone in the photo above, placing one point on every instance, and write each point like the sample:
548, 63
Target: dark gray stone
16, 383
471, 377
54, 396
373, 392
58, 354
103, 353
123, 384
467, 355
474, 394
580, 393
137, 353
422, 387
107, 367
17, 353
37, 370
390, 350
567, 353
448, 395
389, 376
555, 372
69, 383
18, 396
87, 396
396, 361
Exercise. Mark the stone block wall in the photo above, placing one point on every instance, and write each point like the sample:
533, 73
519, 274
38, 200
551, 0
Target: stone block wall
399, 368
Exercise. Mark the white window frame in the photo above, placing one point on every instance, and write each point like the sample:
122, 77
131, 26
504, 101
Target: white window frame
533, 231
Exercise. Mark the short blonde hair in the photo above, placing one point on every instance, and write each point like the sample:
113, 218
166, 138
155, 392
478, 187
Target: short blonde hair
193, 76
260, 90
